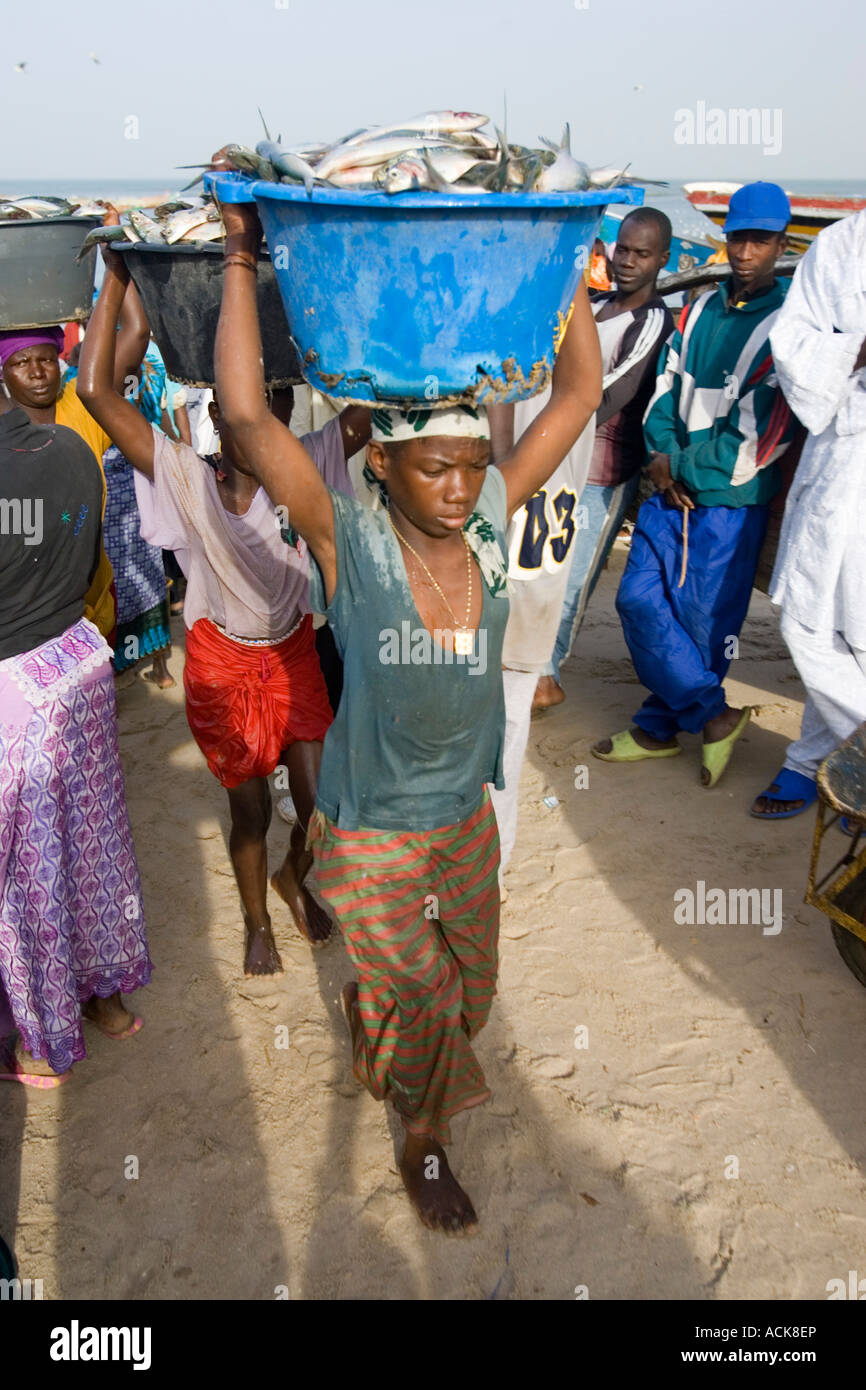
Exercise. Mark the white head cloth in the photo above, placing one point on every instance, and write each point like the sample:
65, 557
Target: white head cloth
390, 426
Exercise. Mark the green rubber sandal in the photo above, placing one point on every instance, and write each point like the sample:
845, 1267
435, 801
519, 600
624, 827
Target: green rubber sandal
716, 756
624, 749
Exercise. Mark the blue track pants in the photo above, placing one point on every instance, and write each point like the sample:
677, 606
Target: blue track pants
681, 639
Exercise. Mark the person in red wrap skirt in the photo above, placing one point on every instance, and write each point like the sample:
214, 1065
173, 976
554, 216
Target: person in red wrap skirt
255, 695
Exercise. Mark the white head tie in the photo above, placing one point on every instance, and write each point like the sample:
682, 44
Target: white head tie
391, 425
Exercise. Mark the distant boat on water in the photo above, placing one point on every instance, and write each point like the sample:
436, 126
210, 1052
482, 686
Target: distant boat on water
810, 212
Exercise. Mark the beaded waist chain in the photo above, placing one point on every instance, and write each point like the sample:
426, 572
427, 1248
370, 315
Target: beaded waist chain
258, 641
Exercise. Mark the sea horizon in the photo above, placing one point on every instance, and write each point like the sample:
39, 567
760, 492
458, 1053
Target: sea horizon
129, 189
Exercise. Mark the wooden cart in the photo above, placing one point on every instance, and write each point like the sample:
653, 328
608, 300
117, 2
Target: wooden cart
841, 892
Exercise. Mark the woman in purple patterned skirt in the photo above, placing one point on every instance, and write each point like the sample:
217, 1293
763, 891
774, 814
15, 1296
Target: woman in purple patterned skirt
71, 923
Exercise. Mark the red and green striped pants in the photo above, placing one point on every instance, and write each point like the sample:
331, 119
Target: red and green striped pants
420, 916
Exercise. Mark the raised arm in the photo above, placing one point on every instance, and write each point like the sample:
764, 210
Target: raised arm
133, 330
133, 335
574, 397
279, 461
96, 372
355, 428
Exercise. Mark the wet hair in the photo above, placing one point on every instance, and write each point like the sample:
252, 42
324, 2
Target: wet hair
652, 217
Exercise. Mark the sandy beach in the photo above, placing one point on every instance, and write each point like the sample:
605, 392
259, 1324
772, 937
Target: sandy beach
603, 1170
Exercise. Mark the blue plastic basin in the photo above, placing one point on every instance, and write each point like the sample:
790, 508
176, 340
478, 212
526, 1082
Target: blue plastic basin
425, 295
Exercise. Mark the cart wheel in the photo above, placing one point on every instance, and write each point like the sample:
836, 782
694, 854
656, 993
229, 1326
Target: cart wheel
852, 950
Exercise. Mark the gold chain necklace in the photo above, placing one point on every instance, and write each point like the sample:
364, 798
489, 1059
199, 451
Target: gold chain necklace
462, 635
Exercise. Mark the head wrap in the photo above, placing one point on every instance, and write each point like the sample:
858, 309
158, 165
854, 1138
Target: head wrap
17, 339
462, 421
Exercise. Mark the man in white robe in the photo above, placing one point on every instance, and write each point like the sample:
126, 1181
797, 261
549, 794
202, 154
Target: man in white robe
819, 348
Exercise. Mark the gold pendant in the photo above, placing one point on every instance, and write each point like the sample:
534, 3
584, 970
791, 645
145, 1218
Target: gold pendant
463, 641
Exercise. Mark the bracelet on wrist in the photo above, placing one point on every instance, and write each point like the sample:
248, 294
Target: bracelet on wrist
236, 258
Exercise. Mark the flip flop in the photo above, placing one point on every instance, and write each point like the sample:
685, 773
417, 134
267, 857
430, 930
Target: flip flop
716, 756
849, 826
625, 749
135, 1026
787, 786
31, 1078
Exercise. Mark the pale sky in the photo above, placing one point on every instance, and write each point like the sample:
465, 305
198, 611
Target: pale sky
191, 73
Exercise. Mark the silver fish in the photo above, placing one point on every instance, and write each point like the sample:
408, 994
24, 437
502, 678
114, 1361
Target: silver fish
353, 177
103, 235
608, 177
146, 228
287, 165
377, 150
87, 208
434, 124
435, 181
38, 206
208, 231
411, 171
473, 139
174, 205
565, 173
524, 170
404, 174
311, 153
524, 167
490, 174
181, 223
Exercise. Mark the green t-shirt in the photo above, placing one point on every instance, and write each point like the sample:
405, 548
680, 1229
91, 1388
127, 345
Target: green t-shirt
419, 730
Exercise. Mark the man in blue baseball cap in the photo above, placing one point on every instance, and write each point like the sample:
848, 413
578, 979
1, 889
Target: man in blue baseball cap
758, 205
758, 214
715, 429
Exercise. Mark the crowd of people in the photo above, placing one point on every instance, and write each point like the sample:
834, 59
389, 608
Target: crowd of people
476, 540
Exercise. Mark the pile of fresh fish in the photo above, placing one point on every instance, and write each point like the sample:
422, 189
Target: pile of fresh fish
179, 220
34, 207
438, 151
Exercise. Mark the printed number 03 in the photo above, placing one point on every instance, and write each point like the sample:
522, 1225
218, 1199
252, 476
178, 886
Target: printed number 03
537, 531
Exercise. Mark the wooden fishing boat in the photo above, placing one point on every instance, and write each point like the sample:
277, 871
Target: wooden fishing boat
809, 212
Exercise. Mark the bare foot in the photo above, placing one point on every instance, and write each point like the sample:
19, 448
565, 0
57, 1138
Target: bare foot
547, 694
311, 920
642, 739
774, 810
111, 1014
261, 956
159, 674
433, 1189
